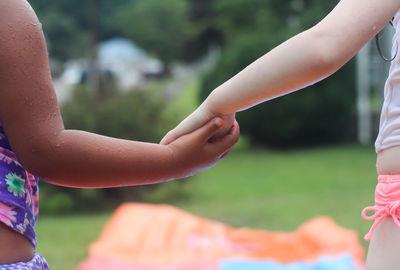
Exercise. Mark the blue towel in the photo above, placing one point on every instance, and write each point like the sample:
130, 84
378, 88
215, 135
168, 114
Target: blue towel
341, 263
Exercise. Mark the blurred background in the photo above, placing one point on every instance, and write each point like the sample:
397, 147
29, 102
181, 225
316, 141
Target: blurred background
134, 69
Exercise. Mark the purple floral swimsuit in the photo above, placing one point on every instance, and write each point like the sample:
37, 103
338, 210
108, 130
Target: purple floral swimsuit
19, 197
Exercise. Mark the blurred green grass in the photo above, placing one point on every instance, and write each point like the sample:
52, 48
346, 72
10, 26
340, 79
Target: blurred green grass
64, 240
280, 190
262, 189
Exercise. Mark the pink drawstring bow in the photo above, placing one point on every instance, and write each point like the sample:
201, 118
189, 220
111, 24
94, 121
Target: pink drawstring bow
387, 202
390, 209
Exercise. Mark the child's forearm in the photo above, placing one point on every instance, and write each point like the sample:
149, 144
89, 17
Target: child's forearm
290, 66
305, 58
81, 159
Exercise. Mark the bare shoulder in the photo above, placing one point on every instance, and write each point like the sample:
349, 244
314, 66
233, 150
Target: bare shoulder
19, 26
27, 99
23, 53
14, 8
16, 14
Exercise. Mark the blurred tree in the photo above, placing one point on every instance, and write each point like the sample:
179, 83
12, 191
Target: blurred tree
203, 17
245, 16
170, 29
66, 24
134, 115
107, 17
161, 27
64, 36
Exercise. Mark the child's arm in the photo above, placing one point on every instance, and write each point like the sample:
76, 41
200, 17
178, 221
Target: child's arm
298, 62
33, 124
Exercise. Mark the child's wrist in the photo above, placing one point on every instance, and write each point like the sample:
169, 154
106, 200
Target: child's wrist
205, 110
215, 107
176, 170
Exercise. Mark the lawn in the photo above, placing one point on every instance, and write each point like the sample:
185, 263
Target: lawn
261, 189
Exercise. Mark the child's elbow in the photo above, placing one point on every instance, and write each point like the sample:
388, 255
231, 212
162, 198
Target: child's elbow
327, 54
38, 161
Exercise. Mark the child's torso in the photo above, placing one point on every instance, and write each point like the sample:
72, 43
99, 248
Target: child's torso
387, 144
389, 130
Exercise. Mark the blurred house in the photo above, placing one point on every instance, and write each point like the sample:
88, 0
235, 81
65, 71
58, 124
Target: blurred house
118, 59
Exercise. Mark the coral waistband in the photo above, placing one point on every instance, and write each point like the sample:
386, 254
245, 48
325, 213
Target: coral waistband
387, 202
389, 178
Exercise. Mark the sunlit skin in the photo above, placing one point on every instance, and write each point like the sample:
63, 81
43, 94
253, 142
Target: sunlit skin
302, 60
31, 119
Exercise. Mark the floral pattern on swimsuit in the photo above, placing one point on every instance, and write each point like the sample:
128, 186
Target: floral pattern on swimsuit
19, 193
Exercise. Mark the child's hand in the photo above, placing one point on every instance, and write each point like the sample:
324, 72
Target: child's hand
195, 151
197, 119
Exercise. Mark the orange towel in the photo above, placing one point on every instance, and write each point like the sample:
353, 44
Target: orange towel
162, 234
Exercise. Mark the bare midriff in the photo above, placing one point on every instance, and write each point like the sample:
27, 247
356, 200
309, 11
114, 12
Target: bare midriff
14, 247
388, 161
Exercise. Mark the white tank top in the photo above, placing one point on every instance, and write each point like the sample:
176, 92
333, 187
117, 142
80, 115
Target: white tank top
389, 127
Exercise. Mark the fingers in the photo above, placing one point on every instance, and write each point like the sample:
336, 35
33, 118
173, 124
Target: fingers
184, 127
208, 130
180, 130
168, 138
227, 141
194, 121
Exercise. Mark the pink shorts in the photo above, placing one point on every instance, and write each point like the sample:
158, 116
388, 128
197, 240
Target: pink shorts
387, 202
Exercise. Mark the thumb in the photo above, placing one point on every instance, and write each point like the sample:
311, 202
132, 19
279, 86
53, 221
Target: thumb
168, 138
208, 130
229, 140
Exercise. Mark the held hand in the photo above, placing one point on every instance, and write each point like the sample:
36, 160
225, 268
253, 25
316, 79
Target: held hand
228, 121
195, 152
197, 119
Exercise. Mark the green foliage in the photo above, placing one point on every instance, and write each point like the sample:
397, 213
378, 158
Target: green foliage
55, 202
169, 29
206, 33
135, 115
246, 16
59, 200
235, 57
63, 33
324, 113
66, 24
162, 27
